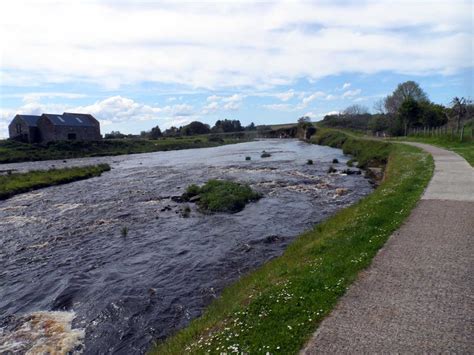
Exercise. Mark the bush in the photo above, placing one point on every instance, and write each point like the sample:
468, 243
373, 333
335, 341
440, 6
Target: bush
265, 155
248, 158
222, 196
335, 161
309, 162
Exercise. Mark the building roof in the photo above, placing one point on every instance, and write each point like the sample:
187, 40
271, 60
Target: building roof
71, 119
30, 120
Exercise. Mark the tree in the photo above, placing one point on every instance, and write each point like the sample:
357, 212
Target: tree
379, 106
304, 127
224, 126
404, 91
251, 127
304, 122
114, 135
195, 128
432, 115
459, 107
409, 113
354, 110
155, 133
171, 132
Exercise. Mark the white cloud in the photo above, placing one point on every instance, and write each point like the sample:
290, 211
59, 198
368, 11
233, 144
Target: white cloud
346, 86
211, 107
213, 98
307, 100
222, 45
223, 103
319, 116
285, 96
352, 93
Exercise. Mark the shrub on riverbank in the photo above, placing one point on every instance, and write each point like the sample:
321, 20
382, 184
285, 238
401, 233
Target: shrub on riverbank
277, 307
14, 184
221, 196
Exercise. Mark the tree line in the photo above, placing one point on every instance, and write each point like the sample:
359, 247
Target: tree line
407, 108
192, 129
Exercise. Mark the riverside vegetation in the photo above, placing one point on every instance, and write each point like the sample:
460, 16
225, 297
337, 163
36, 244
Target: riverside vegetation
277, 307
13, 184
11, 151
221, 196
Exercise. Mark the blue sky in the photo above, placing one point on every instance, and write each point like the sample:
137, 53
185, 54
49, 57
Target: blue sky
135, 65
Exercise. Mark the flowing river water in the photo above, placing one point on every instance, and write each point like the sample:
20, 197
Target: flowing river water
71, 282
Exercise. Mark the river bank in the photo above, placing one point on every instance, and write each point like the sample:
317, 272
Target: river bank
278, 307
14, 152
14, 184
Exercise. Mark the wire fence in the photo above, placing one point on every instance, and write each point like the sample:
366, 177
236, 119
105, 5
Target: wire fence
462, 133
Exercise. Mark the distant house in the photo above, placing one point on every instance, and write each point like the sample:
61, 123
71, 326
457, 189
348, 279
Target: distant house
24, 128
52, 127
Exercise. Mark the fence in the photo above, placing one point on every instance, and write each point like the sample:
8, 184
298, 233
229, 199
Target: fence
463, 133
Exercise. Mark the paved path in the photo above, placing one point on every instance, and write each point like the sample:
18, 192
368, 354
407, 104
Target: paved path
417, 296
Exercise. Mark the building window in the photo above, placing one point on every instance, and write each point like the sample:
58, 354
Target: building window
71, 136
18, 128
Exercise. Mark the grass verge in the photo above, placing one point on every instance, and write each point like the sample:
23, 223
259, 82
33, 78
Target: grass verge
14, 184
221, 196
464, 148
11, 151
277, 307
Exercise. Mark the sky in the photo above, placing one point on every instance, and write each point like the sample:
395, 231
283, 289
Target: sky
138, 64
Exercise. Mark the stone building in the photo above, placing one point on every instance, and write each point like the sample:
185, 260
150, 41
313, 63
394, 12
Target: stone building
51, 127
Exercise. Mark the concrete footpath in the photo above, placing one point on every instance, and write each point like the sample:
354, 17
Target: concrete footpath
417, 296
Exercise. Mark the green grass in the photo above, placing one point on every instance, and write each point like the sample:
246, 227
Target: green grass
11, 151
277, 307
464, 148
222, 196
367, 152
14, 184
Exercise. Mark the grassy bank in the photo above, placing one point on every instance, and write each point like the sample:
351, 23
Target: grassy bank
464, 148
277, 307
14, 184
11, 152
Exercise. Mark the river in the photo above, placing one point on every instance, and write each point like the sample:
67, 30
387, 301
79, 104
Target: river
71, 281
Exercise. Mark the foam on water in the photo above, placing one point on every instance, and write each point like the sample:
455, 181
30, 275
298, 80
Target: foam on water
42, 333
